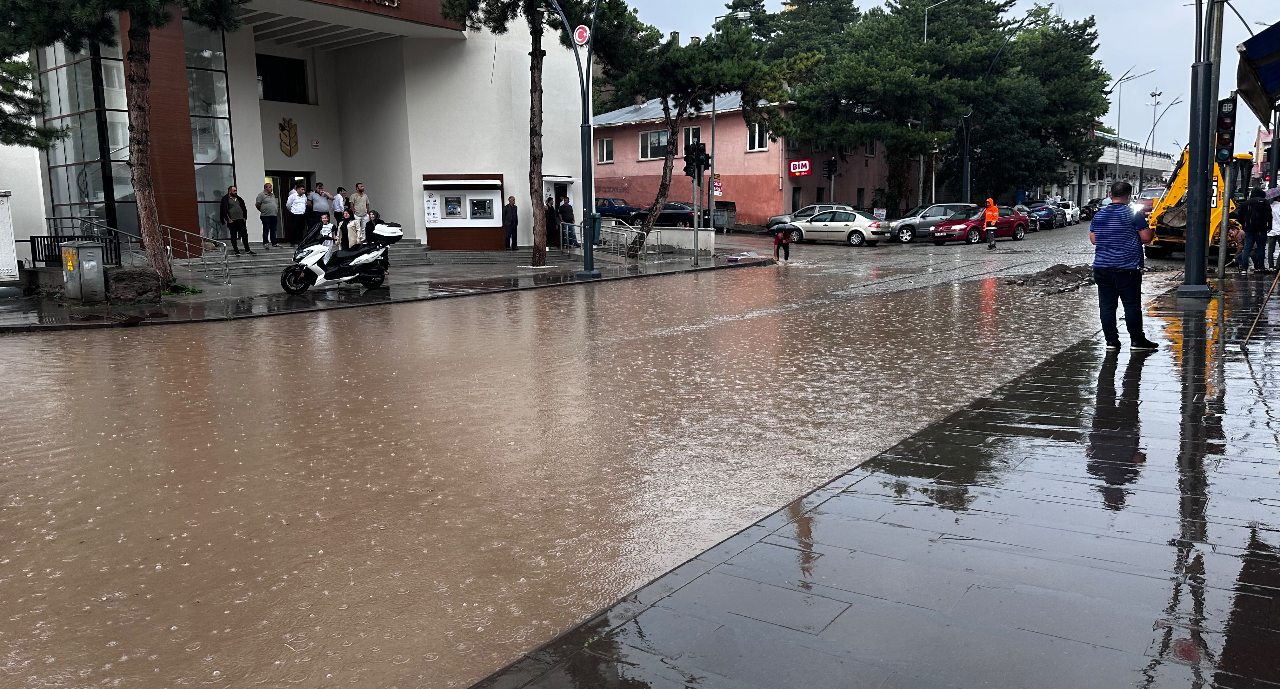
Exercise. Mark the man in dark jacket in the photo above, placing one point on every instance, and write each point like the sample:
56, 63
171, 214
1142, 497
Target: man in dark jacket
566, 222
233, 213
510, 222
1255, 219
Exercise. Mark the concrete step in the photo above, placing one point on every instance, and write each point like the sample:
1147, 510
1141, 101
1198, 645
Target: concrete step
276, 260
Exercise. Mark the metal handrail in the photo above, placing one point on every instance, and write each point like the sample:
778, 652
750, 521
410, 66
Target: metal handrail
194, 246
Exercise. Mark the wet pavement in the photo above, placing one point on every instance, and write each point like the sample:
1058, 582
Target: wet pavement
254, 296
1108, 519
416, 494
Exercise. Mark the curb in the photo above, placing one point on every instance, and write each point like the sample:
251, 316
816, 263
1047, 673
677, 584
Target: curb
106, 323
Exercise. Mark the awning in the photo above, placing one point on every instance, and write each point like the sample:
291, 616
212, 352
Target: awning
1258, 76
462, 183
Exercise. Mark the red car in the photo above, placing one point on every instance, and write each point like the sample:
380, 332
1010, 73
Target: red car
966, 226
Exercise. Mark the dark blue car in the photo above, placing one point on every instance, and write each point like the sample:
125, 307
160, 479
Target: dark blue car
616, 208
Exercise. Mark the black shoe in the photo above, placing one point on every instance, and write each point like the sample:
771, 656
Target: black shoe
248, 251
237, 252
1113, 345
1143, 345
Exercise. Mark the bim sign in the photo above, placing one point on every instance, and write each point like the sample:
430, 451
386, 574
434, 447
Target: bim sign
800, 168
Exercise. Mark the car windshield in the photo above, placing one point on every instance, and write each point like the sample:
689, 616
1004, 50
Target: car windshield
1150, 193
1037, 204
620, 202
966, 214
914, 212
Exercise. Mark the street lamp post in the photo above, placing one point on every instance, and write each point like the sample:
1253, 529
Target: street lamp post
1118, 89
1142, 166
589, 271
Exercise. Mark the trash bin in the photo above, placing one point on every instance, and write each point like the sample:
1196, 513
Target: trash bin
82, 273
726, 214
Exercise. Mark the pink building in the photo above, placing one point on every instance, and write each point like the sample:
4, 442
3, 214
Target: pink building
1262, 155
756, 173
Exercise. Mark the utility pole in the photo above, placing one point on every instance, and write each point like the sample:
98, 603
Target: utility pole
1202, 103
1275, 150
1142, 168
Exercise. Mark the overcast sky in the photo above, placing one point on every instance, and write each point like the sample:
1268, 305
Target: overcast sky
1148, 34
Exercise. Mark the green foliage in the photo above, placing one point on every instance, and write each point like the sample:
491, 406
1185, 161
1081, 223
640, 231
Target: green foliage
20, 105
1031, 85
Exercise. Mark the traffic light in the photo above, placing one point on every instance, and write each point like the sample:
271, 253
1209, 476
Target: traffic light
690, 161
1225, 145
829, 169
704, 159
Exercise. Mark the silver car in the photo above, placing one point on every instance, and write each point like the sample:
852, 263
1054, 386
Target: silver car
921, 219
806, 213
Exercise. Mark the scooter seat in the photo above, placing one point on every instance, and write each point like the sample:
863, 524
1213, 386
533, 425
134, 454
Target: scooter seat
344, 254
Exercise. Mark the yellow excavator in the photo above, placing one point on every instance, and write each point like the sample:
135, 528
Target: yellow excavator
1168, 217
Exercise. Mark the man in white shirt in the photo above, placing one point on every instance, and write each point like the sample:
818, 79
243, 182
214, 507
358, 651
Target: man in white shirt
339, 203
297, 205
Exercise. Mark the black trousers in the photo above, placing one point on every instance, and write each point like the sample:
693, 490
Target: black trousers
510, 241
238, 229
1124, 284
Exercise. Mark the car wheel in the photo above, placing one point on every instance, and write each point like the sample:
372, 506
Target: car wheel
1019, 233
906, 234
797, 236
937, 243
856, 239
973, 236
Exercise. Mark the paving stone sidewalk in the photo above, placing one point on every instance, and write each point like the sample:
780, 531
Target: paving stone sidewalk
1106, 520
261, 295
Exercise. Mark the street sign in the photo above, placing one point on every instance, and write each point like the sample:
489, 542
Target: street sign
879, 213
717, 187
581, 35
800, 168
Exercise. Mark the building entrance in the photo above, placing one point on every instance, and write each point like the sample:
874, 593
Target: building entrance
291, 228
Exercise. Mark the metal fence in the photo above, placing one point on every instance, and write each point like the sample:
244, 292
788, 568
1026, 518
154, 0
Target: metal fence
183, 249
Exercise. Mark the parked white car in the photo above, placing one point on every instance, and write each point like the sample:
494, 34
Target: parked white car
1073, 211
855, 228
806, 213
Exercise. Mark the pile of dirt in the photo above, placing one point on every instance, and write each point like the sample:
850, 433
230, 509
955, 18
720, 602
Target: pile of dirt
1056, 279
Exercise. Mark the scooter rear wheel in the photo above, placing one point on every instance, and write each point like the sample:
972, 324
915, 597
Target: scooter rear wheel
295, 279
372, 280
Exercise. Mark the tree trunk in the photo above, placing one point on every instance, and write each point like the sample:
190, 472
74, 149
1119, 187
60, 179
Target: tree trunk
536, 55
664, 187
138, 90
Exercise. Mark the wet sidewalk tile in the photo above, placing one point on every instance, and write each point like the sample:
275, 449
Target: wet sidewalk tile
1106, 519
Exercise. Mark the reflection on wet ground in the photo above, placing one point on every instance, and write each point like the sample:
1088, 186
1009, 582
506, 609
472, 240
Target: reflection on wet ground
415, 494
1105, 520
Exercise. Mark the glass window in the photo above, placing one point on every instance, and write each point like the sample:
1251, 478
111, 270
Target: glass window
842, 216
822, 217
113, 85
121, 181
604, 151
118, 134
211, 140
207, 93
204, 47
692, 135
869, 148
282, 79
212, 181
653, 145
757, 137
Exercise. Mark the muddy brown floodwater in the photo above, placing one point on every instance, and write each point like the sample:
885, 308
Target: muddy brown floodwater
413, 495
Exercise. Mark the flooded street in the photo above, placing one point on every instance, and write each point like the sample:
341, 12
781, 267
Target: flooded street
415, 494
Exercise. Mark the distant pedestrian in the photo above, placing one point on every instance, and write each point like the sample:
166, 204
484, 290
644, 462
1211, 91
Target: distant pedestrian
990, 216
781, 243
339, 202
1273, 237
297, 204
321, 202
1255, 220
360, 205
554, 236
348, 229
510, 222
233, 213
269, 206
567, 222
1117, 266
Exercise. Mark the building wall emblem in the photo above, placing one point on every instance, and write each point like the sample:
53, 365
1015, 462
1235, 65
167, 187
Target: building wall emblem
288, 137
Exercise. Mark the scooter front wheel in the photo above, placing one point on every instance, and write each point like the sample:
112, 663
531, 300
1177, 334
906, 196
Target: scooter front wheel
295, 279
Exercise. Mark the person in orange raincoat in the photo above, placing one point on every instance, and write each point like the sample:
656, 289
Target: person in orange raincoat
989, 218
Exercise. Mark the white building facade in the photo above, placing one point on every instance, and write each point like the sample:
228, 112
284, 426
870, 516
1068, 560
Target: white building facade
386, 93
1128, 161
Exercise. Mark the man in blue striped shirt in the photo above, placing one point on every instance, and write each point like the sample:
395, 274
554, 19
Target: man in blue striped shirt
1118, 235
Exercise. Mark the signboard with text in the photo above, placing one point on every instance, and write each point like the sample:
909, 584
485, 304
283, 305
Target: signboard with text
800, 168
717, 187
880, 213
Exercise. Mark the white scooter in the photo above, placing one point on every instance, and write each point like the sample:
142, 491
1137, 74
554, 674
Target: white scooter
316, 264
